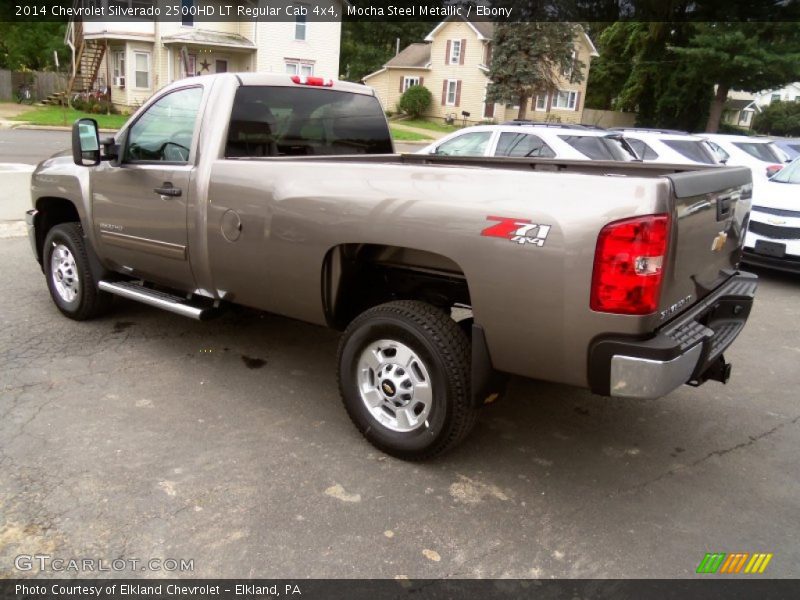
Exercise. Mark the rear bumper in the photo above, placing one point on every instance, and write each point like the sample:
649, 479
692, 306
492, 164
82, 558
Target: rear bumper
686, 350
788, 262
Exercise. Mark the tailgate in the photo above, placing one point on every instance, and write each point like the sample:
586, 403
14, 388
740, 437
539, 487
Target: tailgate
710, 217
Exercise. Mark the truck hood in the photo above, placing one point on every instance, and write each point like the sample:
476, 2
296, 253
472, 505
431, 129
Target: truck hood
781, 196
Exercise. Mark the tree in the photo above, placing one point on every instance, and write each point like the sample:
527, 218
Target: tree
743, 56
779, 118
366, 47
30, 45
415, 101
528, 59
638, 71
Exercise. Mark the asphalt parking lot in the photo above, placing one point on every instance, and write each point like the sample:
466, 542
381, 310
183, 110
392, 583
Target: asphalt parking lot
144, 435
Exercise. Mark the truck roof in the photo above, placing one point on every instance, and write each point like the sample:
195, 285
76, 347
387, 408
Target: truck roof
276, 79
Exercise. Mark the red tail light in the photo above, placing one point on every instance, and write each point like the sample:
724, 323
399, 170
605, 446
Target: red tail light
628, 265
317, 81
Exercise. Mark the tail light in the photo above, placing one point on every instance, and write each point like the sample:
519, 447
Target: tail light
774, 170
628, 265
315, 81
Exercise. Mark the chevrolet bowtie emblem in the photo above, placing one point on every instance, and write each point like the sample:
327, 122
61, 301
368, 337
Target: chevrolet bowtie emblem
719, 242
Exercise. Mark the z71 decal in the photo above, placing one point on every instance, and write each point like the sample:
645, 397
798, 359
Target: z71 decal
519, 231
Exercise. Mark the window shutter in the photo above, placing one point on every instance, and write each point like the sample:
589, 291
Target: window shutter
447, 54
422, 81
444, 92
463, 51
488, 55
402, 81
489, 111
533, 102
458, 93
577, 101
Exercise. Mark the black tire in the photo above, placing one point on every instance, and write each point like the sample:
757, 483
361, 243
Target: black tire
88, 301
445, 352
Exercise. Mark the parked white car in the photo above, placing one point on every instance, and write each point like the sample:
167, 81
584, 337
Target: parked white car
667, 146
773, 237
523, 140
757, 153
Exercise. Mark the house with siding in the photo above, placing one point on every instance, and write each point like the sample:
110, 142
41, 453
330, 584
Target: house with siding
137, 58
453, 63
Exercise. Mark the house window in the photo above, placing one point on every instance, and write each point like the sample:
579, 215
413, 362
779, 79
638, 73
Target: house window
119, 67
540, 102
299, 68
187, 18
775, 98
744, 117
142, 64
568, 70
300, 26
452, 92
565, 100
455, 52
409, 82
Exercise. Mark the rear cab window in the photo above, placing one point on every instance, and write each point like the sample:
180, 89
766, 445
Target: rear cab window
294, 121
692, 149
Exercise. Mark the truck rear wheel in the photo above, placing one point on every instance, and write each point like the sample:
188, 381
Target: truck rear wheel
404, 377
69, 276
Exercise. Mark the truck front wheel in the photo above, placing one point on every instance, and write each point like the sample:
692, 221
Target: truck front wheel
404, 377
69, 276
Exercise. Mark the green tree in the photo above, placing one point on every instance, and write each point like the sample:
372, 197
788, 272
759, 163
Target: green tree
31, 45
638, 71
528, 59
743, 56
367, 46
779, 118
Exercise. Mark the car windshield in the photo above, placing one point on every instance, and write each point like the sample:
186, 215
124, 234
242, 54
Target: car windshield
789, 174
761, 151
692, 149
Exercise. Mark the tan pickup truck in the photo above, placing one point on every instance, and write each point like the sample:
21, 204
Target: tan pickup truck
445, 274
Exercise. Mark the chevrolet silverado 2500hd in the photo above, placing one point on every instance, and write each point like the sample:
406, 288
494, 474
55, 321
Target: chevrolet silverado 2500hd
445, 274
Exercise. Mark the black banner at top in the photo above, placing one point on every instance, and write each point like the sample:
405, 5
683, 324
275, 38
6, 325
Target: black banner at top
398, 10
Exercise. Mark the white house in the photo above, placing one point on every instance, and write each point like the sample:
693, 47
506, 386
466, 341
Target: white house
137, 58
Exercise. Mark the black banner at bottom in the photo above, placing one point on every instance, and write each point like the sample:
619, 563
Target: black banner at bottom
379, 589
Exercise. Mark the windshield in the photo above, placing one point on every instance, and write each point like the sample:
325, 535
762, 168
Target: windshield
761, 151
789, 174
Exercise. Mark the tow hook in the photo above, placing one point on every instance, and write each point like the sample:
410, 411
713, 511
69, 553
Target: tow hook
719, 370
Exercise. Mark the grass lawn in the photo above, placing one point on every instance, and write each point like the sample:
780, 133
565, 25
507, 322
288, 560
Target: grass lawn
56, 115
439, 126
400, 135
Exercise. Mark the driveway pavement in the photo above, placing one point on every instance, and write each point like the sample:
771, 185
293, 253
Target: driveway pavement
144, 435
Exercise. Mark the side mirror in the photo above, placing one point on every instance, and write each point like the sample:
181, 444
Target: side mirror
85, 143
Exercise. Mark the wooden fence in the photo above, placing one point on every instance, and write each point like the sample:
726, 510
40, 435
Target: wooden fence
608, 118
43, 83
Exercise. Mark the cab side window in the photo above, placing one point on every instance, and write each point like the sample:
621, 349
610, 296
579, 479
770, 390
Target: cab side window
164, 133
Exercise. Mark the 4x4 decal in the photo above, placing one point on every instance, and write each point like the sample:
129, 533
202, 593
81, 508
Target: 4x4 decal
519, 231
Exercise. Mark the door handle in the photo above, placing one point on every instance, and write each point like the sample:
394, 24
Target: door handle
168, 190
